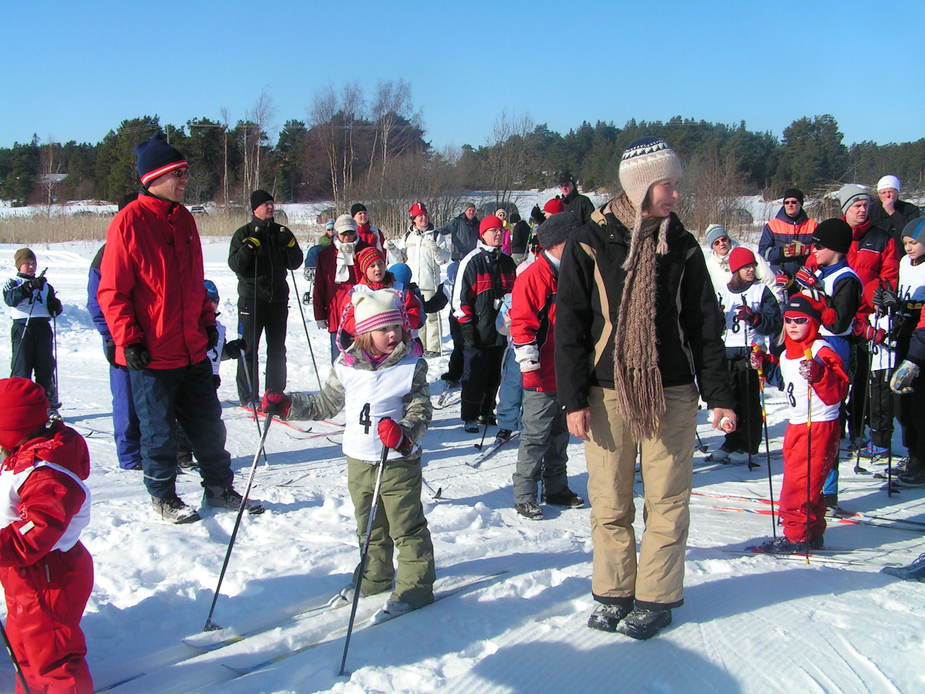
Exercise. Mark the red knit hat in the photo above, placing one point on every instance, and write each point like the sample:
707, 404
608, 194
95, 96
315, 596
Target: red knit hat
24, 410
417, 208
367, 257
554, 206
490, 222
739, 258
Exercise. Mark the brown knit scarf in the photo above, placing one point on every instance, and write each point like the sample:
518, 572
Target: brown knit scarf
637, 380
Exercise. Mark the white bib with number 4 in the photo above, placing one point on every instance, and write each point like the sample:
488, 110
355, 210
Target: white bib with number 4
368, 397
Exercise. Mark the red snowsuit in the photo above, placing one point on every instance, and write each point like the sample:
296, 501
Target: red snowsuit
817, 441
46, 572
151, 288
328, 297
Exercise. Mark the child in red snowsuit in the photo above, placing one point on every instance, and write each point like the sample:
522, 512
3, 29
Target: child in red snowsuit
46, 572
815, 383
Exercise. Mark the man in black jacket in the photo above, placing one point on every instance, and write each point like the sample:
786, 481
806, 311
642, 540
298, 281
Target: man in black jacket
580, 204
261, 254
890, 213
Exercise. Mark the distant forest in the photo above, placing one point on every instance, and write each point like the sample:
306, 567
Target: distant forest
373, 147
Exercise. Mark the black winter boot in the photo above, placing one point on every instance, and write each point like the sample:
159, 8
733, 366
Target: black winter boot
643, 623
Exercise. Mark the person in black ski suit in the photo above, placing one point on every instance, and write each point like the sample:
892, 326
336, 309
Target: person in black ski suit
261, 253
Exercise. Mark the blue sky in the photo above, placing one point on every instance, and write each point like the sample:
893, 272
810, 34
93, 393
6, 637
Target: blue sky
76, 69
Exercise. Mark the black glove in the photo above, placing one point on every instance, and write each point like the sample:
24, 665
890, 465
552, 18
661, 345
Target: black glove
216, 381
747, 315
468, 334
235, 348
54, 305
212, 336
288, 238
252, 243
885, 298
137, 357
109, 349
36, 283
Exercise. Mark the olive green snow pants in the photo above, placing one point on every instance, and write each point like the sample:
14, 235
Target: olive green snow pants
400, 523
657, 581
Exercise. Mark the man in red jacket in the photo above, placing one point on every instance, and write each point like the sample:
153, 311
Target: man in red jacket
544, 435
46, 572
152, 294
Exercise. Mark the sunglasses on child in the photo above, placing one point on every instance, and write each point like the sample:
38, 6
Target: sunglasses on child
799, 320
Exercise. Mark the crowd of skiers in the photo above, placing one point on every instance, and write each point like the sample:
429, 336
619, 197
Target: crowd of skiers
610, 324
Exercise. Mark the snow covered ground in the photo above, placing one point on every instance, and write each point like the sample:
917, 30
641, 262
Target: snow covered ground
749, 624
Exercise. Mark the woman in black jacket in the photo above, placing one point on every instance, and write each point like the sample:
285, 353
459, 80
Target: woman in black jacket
638, 332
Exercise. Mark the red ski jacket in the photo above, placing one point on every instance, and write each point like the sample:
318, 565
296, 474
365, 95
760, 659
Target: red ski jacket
48, 499
328, 296
533, 317
151, 289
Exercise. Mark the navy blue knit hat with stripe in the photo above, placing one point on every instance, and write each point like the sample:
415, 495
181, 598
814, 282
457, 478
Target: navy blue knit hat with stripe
155, 157
915, 230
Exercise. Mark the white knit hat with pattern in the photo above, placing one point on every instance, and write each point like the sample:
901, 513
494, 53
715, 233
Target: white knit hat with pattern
376, 309
647, 161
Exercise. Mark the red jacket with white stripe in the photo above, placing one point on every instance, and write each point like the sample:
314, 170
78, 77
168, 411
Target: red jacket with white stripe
151, 284
533, 317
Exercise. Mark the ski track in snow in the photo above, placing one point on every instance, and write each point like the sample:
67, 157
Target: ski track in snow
750, 623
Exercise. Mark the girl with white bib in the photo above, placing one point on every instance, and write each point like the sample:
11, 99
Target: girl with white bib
381, 384
811, 375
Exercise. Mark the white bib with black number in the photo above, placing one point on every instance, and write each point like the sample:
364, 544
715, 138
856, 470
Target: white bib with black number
369, 396
739, 333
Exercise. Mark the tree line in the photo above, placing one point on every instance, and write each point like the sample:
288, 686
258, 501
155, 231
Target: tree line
358, 146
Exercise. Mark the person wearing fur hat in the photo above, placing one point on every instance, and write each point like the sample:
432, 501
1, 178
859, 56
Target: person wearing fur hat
261, 254
46, 572
811, 374
544, 436
890, 213
425, 250
463, 231
719, 245
785, 240
33, 304
752, 313
366, 232
381, 384
572, 199
637, 331
485, 275
375, 276
335, 276
153, 296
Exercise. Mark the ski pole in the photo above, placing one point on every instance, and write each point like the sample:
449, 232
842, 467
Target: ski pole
14, 660
866, 406
210, 625
54, 344
808, 355
889, 455
363, 555
478, 446
250, 389
747, 397
767, 445
302, 313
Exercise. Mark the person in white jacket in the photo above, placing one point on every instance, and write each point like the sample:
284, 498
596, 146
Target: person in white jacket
425, 251
719, 246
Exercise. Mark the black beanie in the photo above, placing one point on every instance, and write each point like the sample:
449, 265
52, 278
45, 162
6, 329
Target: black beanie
794, 193
357, 207
834, 234
557, 229
154, 158
258, 197
565, 177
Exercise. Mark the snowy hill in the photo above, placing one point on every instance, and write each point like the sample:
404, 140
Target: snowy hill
749, 623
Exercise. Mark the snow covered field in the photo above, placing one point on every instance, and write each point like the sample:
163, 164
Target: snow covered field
750, 623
